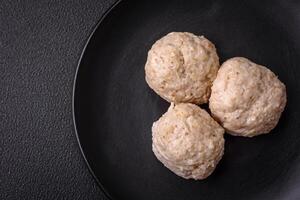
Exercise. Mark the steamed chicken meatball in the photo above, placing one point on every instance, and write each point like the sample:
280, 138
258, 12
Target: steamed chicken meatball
181, 67
247, 98
188, 141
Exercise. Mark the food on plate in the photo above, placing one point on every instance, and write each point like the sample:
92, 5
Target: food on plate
181, 67
247, 98
188, 141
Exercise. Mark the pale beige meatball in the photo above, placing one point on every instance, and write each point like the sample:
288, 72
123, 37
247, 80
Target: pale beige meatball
181, 67
188, 141
247, 98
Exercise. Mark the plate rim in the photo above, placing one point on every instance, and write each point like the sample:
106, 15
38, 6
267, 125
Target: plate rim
79, 62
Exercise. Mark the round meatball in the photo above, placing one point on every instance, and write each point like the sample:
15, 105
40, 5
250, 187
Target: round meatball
247, 98
181, 67
188, 141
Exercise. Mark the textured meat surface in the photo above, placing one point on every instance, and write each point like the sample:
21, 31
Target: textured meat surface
181, 67
188, 141
247, 98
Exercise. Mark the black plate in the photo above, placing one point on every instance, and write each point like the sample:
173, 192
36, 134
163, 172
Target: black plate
114, 108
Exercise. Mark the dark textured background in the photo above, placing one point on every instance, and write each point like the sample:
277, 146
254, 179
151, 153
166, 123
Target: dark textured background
40, 44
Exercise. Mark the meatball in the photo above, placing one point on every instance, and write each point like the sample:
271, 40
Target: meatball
247, 98
181, 67
188, 141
